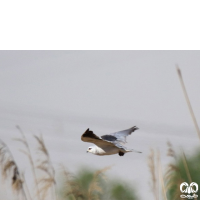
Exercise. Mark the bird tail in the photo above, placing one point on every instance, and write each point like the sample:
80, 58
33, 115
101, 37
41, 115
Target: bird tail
132, 150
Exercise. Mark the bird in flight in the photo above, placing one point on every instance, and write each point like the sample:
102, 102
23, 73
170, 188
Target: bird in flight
108, 144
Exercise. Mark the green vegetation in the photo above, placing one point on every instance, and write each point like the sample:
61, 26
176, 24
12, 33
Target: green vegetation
179, 170
182, 170
93, 185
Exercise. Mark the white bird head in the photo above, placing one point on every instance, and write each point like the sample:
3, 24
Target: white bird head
91, 149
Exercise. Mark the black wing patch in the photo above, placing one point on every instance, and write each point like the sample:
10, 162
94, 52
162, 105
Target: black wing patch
109, 137
90, 135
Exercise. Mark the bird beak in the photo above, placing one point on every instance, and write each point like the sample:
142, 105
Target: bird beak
86, 151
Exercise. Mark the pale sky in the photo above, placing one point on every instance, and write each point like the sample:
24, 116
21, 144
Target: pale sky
62, 93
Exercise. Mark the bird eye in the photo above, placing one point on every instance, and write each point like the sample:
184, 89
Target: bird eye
90, 148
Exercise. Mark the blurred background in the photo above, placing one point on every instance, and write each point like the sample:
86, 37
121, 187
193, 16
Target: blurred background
60, 94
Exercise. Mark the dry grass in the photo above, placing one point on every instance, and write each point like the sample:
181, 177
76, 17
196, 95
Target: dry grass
47, 182
27, 152
45, 186
72, 187
161, 179
177, 172
172, 169
94, 186
152, 163
10, 171
172, 178
76, 190
157, 177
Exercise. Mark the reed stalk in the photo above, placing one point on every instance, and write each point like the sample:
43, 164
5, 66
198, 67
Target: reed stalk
188, 101
29, 155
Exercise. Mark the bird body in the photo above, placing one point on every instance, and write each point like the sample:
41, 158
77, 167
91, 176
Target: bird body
103, 150
108, 144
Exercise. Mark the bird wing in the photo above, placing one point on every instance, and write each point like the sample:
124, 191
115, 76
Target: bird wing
104, 141
121, 135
